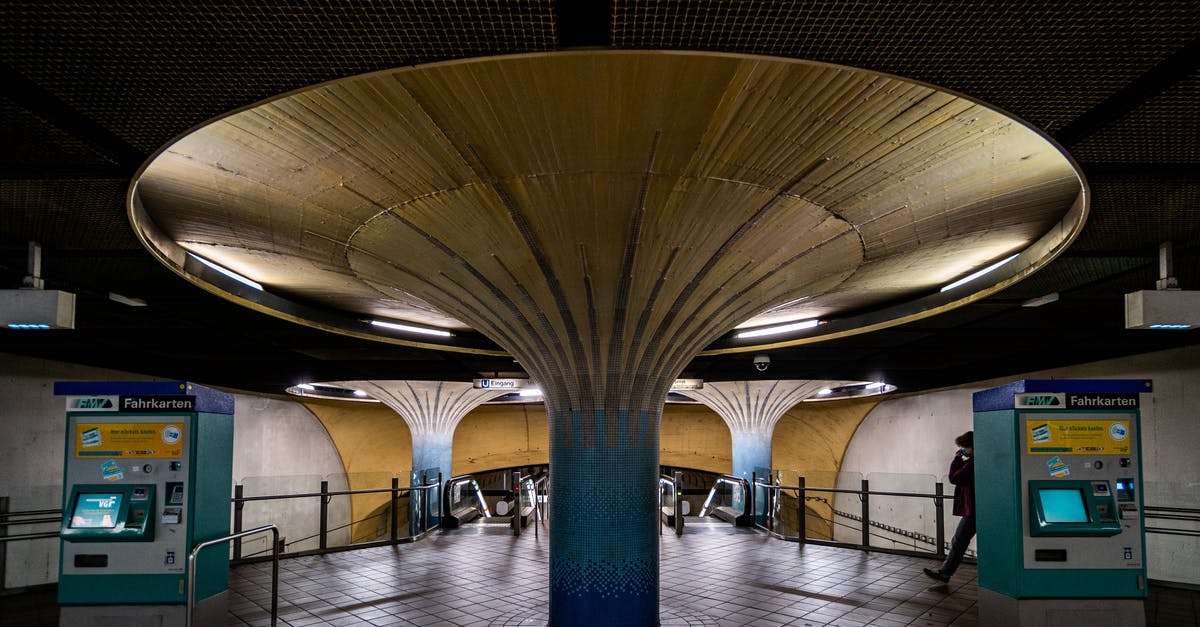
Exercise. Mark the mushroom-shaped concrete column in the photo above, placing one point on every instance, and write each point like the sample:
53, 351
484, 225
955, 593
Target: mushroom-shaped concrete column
432, 410
752, 409
603, 217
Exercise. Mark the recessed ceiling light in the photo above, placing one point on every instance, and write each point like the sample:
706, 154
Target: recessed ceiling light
976, 275
411, 329
229, 273
783, 328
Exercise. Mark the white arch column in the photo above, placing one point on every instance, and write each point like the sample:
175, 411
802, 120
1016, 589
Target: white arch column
432, 410
751, 409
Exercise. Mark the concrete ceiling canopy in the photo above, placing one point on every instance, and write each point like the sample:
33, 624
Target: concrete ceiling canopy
602, 212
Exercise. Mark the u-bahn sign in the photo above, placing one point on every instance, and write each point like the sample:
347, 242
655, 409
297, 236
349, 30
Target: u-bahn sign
502, 384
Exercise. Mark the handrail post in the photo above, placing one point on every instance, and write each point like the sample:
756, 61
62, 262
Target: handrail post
395, 508
678, 486
422, 502
190, 602
275, 576
802, 522
751, 497
238, 504
940, 515
3, 545
866, 514
324, 515
443, 509
660, 506
516, 519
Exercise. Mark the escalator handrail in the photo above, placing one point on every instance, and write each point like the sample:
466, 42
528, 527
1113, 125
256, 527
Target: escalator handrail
712, 492
448, 486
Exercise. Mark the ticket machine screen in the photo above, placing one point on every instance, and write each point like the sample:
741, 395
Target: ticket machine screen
100, 513
1063, 506
96, 511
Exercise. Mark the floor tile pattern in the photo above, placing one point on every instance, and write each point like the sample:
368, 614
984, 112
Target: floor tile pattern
712, 576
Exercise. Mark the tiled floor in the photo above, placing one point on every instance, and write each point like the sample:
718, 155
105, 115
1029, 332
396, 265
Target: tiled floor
712, 575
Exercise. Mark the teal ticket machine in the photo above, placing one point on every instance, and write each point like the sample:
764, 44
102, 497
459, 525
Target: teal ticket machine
147, 477
1058, 479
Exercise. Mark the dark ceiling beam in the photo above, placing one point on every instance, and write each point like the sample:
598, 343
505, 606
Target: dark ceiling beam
67, 172
584, 23
45, 105
1181, 64
1183, 171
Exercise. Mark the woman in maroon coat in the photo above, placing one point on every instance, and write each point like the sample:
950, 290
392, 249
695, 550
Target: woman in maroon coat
962, 475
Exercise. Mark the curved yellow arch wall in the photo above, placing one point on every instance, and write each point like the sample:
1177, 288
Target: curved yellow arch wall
375, 443
811, 440
501, 436
694, 436
814, 436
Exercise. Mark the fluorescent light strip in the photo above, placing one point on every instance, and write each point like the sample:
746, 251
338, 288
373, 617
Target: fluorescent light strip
126, 300
26, 326
410, 329
1159, 326
784, 328
976, 275
229, 273
530, 392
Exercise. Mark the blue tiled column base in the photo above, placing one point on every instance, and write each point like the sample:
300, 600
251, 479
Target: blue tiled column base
750, 450
432, 452
429, 452
604, 524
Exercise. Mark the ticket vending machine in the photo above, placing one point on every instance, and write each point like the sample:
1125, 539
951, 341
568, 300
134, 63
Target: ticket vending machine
147, 477
1058, 479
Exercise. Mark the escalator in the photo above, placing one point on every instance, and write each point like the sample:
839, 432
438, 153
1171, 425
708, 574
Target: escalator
731, 500
466, 505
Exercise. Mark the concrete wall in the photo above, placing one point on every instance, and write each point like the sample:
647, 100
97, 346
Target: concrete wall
279, 447
272, 437
908, 441
375, 445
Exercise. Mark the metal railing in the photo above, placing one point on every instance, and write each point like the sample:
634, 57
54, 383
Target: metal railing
1183, 514
396, 493
864, 493
191, 569
527, 492
670, 497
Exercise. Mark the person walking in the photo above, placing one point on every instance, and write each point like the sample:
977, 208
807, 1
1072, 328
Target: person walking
962, 475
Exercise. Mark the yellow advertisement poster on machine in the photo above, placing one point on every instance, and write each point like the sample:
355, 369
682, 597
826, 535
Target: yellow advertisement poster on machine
129, 439
1097, 437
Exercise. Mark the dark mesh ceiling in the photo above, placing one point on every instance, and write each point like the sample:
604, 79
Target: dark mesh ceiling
1163, 130
91, 88
149, 70
1046, 61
